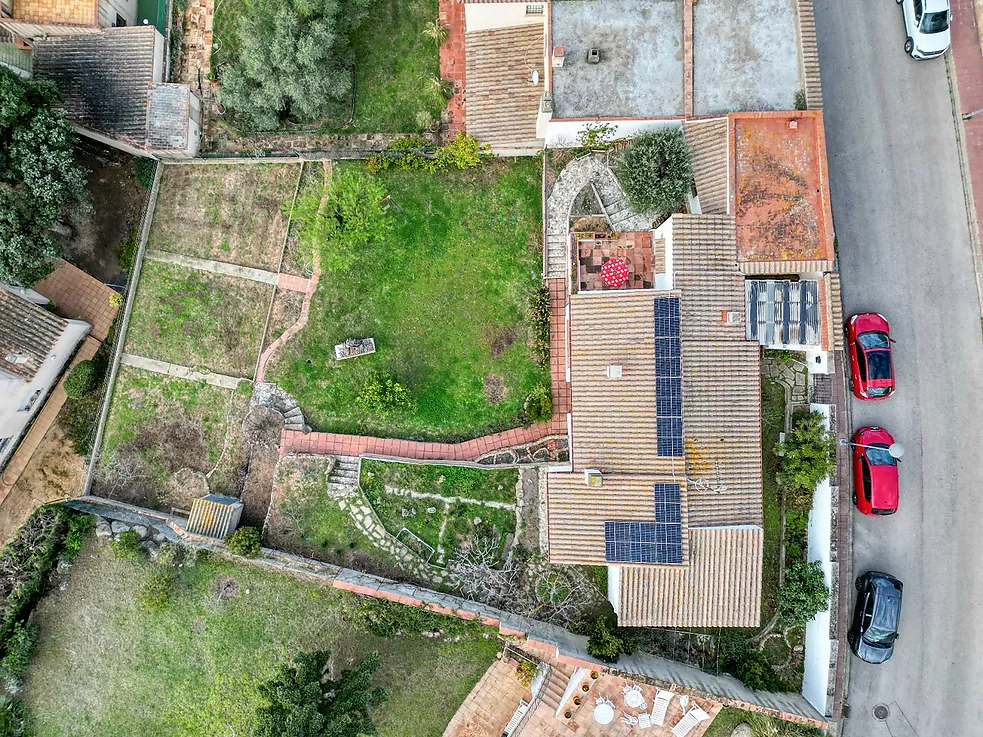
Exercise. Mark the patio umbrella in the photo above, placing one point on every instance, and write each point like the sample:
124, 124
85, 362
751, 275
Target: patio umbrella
614, 273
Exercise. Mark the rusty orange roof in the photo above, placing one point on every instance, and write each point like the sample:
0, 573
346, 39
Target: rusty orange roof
779, 190
61, 12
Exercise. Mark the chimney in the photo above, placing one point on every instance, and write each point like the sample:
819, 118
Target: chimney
558, 54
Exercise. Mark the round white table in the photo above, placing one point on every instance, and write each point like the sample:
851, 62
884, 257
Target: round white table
604, 713
634, 699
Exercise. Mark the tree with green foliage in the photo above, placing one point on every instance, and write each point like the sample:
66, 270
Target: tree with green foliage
305, 702
655, 171
38, 177
606, 641
807, 456
803, 593
244, 541
294, 60
343, 219
736, 656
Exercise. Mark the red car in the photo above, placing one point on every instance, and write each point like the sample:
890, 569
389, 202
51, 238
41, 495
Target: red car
875, 472
871, 365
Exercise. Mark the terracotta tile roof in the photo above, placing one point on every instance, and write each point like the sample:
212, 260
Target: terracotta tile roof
780, 186
721, 586
28, 332
502, 102
707, 141
721, 375
67, 12
576, 513
614, 423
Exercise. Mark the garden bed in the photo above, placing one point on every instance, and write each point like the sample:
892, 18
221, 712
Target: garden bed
159, 425
236, 213
194, 318
446, 296
107, 667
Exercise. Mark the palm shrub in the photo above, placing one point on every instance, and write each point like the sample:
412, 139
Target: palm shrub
803, 593
655, 171
807, 456
539, 404
436, 32
295, 60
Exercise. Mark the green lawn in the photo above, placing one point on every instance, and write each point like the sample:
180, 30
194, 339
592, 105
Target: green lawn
105, 667
772, 425
169, 424
447, 481
445, 295
394, 60
235, 213
729, 718
193, 318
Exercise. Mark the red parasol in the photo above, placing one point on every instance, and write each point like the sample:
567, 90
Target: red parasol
614, 273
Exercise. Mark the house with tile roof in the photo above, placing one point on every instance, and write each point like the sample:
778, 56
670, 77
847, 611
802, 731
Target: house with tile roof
35, 345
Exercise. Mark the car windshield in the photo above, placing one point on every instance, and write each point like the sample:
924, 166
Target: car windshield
935, 22
875, 339
879, 391
878, 365
877, 455
879, 636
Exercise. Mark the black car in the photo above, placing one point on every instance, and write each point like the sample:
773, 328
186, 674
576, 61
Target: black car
875, 619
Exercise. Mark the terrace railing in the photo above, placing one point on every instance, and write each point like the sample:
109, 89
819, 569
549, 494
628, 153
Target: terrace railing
18, 60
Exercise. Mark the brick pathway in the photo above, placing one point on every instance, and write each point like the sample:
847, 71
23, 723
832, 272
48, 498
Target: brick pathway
305, 309
967, 60
78, 296
453, 64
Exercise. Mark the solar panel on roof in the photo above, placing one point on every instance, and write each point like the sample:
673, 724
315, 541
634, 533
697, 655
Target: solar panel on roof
668, 384
643, 542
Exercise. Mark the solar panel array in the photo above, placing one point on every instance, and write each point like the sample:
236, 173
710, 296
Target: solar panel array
648, 542
668, 378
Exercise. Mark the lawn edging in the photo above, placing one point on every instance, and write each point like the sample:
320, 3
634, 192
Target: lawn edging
552, 642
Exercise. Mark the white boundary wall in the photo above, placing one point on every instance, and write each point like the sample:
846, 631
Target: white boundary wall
563, 133
818, 646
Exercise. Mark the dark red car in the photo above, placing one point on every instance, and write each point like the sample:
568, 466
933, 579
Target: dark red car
875, 472
871, 365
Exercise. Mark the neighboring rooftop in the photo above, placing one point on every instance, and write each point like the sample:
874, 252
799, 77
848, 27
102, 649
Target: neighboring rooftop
108, 85
62, 12
640, 72
780, 187
27, 335
745, 57
502, 100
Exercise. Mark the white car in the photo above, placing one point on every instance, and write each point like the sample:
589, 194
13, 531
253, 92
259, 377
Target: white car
927, 24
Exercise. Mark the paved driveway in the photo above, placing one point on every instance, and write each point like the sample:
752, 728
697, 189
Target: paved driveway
904, 250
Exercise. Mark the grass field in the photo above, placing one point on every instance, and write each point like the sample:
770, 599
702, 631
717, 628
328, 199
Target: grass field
235, 213
168, 424
193, 318
107, 668
772, 425
763, 726
447, 481
446, 296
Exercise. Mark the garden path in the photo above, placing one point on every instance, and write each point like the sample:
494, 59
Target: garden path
181, 372
449, 499
284, 281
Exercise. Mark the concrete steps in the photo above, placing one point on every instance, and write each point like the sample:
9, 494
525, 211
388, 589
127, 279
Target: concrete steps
809, 49
555, 687
344, 476
556, 256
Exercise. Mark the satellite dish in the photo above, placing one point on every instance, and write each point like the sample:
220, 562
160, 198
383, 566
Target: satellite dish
535, 76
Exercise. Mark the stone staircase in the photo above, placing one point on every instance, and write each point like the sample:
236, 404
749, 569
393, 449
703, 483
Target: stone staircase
556, 256
809, 49
615, 203
554, 688
343, 477
266, 394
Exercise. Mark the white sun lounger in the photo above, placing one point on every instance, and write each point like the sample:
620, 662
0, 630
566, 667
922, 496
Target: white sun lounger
516, 717
660, 706
690, 719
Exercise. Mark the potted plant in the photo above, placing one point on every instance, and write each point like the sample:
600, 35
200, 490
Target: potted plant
577, 700
593, 675
567, 714
585, 688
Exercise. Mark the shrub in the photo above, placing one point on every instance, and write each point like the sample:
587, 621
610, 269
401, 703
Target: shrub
78, 418
79, 527
144, 170
18, 650
594, 137
382, 395
463, 152
800, 100
539, 404
127, 546
384, 618
155, 593
13, 720
436, 32
605, 640
737, 657
803, 593
807, 456
351, 217
169, 554
526, 672
82, 379
542, 314
655, 171
294, 62
244, 541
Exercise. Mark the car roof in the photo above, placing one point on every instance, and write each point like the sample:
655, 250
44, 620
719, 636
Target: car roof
934, 5
885, 487
887, 609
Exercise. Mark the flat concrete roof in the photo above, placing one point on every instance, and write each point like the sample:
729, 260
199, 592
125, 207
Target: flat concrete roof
780, 187
641, 68
745, 55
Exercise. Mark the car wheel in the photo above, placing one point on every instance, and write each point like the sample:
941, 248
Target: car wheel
899, 1
851, 638
851, 386
909, 45
859, 583
854, 500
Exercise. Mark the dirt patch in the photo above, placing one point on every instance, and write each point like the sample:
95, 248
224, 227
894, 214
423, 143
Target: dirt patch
227, 588
495, 389
117, 202
184, 487
501, 341
286, 311
198, 625
258, 486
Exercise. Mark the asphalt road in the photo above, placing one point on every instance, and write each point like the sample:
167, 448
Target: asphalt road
904, 247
